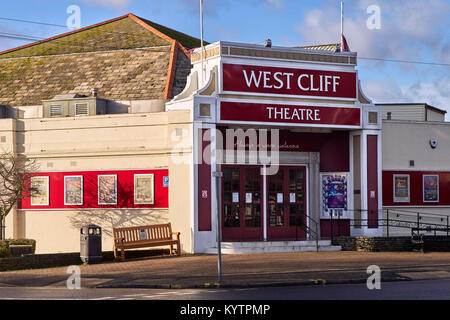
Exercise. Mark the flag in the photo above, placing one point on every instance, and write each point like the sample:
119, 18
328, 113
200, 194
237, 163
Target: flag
344, 44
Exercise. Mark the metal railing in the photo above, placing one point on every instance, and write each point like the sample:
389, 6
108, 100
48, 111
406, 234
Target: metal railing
393, 219
311, 229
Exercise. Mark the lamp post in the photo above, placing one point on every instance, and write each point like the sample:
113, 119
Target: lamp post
218, 175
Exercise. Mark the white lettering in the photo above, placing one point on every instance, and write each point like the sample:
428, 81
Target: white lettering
335, 82
288, 79
281, 83
270, 111
266, 79
312, 84
300, 82
252, 78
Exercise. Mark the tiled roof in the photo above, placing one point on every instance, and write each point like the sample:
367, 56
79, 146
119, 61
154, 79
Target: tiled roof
119, 75
334, 47
126, 58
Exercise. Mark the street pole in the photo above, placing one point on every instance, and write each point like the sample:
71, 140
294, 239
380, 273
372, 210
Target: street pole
218, 175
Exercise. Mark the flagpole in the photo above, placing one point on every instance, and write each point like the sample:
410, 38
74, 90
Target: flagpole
342, 18
201, 34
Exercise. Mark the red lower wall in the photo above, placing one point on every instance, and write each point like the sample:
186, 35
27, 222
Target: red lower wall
341, 228
416, 188
125, 190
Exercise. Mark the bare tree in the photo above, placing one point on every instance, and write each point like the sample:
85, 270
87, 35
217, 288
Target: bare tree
15, 183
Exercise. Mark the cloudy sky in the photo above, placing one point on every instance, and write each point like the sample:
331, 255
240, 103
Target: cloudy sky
410, 30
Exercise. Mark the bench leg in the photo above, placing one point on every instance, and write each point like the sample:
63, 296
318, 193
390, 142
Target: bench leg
178, 248
122, 256
115, 253
171, 249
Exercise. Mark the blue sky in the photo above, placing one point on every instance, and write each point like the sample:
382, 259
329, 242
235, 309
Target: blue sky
413, 30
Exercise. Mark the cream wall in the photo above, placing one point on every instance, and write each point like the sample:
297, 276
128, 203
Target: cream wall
109, 142
404, 141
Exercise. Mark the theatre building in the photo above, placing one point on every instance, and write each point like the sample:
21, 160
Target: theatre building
328, 163
137, 130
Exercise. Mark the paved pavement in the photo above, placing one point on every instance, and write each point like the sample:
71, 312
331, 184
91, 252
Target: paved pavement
242, 271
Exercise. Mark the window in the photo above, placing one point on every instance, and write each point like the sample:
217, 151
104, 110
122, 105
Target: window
205, 110
55, 110
401, 188
73, 191
107, 190
81, 109
430, 188
373, 117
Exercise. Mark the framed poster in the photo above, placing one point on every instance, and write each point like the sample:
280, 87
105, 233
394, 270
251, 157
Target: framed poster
73, 190
401, 188
144, 189
430, 188
107, 189
334, 194
40, 191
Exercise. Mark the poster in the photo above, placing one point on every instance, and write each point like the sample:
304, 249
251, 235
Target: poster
73, 190
279, 198
107, 189
401, 188
431, 188
334, 193
144, 189
40, 191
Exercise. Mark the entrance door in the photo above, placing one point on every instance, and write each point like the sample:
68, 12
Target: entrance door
286, 204
242, 203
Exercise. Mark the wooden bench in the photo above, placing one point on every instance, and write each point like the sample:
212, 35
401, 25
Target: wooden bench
145, 236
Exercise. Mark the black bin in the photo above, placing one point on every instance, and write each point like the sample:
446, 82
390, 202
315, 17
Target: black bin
91, 244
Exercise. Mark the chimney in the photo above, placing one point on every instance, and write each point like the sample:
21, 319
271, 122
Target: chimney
94, 92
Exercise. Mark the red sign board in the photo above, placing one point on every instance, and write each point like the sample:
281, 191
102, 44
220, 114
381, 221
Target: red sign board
258, 112
288, 81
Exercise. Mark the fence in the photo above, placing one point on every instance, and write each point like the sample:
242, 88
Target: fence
398, 222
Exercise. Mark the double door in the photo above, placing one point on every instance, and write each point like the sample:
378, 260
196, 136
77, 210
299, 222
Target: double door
243, 203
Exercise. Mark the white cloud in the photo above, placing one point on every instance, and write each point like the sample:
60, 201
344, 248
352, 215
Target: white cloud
435, 92
114, 4
409, 27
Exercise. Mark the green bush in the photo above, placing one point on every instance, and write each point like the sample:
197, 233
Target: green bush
4, 252
19, 242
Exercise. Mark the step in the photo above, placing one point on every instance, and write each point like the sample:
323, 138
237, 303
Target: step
274, 246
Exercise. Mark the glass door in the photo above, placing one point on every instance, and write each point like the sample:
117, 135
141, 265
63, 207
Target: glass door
286, 204
242, 203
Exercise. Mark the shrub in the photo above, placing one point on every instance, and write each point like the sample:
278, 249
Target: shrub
20, 242
4, 252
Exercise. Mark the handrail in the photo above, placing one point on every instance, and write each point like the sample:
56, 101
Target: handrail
310, 231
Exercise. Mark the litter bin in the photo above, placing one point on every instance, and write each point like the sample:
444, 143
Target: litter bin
91, 244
